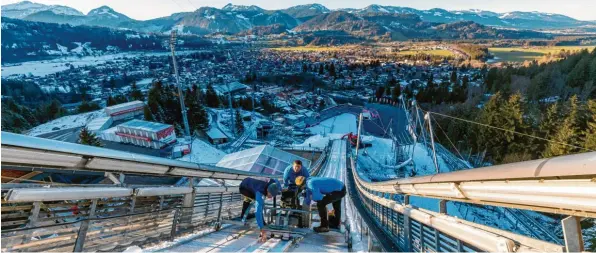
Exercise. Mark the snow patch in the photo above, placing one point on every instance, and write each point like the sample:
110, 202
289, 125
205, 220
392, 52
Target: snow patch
66, 122
203, 152
342, 124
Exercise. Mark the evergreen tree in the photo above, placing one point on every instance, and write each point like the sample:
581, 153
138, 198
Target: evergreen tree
110, 101
212, 97
567, 132
147, 113
332, 70
548, 126
88, 138
380, 91
395, 93
408, 92
239, 122
153, 98
196, 113
505, 114
88, 107
590, 131
453, 78
135, 93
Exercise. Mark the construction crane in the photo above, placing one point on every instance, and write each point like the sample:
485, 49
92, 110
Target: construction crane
180, 94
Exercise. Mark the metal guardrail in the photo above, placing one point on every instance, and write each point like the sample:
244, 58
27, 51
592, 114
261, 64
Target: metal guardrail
26, 151
416, 229
560, 185
111, 222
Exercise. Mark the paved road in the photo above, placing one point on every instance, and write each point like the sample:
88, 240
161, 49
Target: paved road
66, 135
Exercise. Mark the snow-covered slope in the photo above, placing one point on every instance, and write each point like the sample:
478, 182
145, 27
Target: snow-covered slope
25, 8
203, 152
66, 122
342, 124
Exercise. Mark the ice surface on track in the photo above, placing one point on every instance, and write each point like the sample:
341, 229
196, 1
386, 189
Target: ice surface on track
333, 241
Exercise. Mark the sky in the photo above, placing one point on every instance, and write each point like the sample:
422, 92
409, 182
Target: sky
148, 9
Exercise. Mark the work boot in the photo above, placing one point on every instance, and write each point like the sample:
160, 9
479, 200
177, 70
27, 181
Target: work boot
321, 229
334, 226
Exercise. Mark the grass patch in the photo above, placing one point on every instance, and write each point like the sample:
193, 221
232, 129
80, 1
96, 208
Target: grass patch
437, 52
521, 54
311, 48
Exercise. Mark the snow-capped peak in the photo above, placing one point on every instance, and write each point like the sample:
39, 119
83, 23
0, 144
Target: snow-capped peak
232, 7
101, 10
25, 8
319, 7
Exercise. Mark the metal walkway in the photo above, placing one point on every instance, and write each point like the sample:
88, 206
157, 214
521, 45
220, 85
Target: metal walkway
237, 238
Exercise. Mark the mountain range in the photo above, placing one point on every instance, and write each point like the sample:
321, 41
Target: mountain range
240, 18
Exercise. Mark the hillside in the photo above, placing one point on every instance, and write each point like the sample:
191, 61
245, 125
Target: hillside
26, 40
236, 18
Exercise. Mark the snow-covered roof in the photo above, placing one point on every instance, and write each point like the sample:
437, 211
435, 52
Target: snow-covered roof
234, 86
261, 159
215, 133
99, 123
125, 105
145, 125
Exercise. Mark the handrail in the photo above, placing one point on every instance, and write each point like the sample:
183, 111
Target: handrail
474, 235
21, 150
562, 185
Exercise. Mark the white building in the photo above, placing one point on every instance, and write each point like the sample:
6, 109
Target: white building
125, 110
147, 134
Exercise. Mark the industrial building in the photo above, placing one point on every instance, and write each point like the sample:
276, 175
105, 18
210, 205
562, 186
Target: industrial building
216, 136
234, 87
145, 133
125, 111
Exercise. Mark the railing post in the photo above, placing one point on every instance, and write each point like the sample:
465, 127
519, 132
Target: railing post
218, 224
207, 206
460, 246
32, 220
443, 206
437, 241
407, 233
80, 242
572, 233
185, 216
174, 223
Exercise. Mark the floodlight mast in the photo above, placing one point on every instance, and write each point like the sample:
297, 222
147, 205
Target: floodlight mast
180, 93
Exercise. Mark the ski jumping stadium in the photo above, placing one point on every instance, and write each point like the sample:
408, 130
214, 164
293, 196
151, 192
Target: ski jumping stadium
199, 213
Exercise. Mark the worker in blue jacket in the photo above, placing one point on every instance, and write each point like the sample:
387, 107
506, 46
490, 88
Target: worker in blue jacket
254, 189
324, 191
290, 190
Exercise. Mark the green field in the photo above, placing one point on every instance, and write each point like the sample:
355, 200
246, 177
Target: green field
311, 48
437, 52
521, 54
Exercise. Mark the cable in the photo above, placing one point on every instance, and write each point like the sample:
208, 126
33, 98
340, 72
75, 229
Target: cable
178, 4
443, 131
507, 130
193, 5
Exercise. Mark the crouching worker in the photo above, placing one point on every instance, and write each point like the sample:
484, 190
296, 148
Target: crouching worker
256, 190
324, 191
